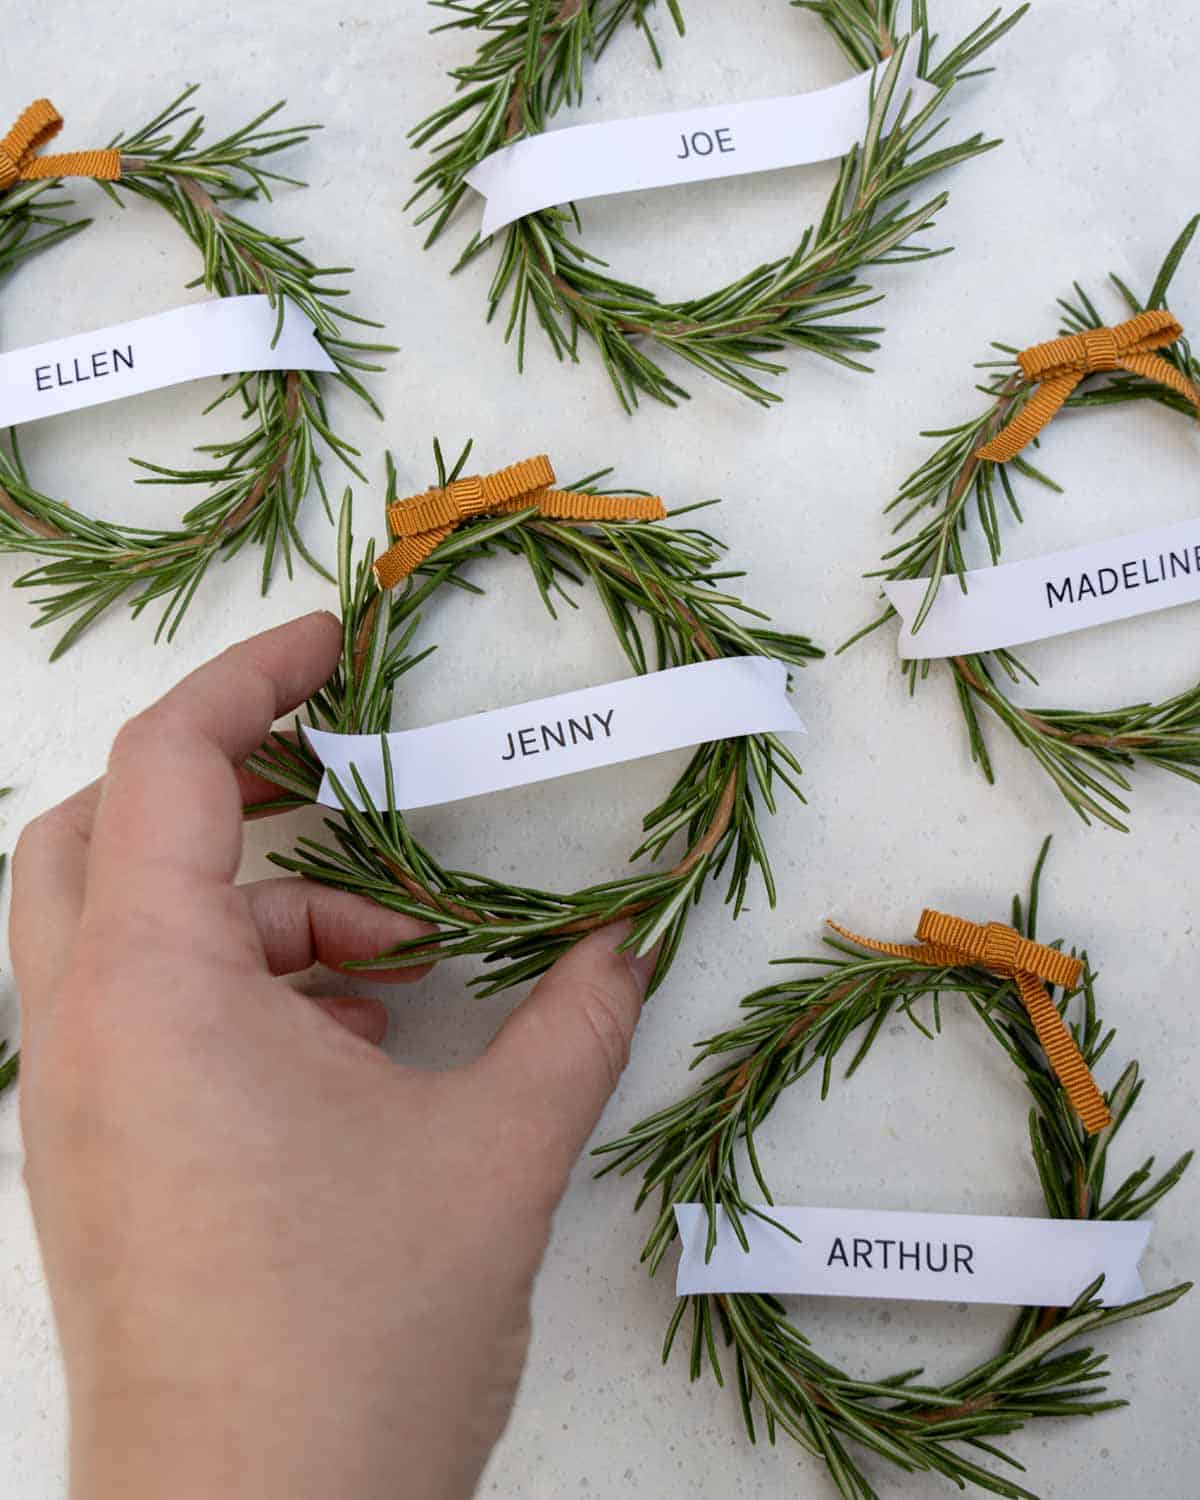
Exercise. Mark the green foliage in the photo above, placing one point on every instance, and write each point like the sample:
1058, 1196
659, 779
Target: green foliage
1085, 754
253, 484
530, 63
663, 588
689, 1151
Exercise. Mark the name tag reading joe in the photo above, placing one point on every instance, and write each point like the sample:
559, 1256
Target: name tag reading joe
576, 731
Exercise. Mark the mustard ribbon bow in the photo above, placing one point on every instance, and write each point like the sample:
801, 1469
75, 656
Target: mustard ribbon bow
951, 942
1061, 364
19, 151
422, 522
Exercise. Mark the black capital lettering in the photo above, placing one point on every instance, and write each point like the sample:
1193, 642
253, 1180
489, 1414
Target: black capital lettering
1108, 588
962, 1259
1180, 563
683, 155
61, 379
929, 1265
914, 1255
527, 739
41, 378
725, 139
604, 720
1087, 589
79, 375
1129, 575
884, 1245
125, 359
512, 749
837, 1251
702, 143
100, 364
554, 732
862, 1254
1064, 595
580, 731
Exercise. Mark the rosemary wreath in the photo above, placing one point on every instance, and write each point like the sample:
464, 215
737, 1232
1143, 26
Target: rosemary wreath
255, 482
659, 587
688, 1150
530, 63
1086, 754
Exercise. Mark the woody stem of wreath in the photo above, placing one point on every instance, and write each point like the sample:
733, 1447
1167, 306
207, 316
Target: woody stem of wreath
700, 850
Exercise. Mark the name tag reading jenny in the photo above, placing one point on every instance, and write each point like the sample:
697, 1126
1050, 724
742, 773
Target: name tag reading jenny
576, 731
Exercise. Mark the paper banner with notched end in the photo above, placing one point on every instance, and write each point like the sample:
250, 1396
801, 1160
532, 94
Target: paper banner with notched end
846, 1252
576, 731
1052, 595
650, 151
225, 336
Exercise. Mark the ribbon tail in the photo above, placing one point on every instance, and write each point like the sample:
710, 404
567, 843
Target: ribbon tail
918, 952
101, 166
1063, 1054
406, 554
1153, 367
571, 505
1029, 421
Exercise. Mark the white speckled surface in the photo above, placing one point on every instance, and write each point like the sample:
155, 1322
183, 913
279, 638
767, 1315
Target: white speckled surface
1098, 172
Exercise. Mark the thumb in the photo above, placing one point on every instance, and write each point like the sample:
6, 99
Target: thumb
557, 1059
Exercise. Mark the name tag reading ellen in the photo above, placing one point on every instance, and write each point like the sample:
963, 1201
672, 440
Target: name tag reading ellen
576, 731
836, 1252
225, 336
1053, 595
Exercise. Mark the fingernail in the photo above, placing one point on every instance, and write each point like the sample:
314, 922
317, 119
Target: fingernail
641, 965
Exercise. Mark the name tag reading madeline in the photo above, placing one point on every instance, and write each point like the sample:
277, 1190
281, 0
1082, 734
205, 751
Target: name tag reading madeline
1052, 595
225, 336
576, 731
728, 140
914, 1256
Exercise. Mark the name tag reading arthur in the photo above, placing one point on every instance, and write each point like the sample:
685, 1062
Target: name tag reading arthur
833, 1252
225, 336
576, 731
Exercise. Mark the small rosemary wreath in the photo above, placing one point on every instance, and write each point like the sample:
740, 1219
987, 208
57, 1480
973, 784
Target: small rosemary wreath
1086, 754
530, 63
255, 482
659, 586
688, 1150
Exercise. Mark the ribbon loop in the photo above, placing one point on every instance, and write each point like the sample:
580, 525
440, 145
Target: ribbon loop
423, 522
37, 125
950, 942
1060, 364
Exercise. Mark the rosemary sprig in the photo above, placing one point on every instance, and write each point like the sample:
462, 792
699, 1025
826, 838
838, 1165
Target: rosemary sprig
1086, 754
665, 591
689, 1152
530, 63
255, 483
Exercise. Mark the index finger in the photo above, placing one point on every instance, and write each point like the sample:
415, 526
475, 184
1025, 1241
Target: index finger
170, 809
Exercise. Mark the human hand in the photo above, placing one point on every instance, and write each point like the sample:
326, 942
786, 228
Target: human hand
281, 1264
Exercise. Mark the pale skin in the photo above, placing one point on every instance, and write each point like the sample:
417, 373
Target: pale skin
282, 1263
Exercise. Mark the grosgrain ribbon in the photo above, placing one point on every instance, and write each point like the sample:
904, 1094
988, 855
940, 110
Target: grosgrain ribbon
948, 942
20, 160
1061, 364
422, 522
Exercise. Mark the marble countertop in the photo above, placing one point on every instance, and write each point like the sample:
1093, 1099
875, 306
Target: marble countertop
1097, 172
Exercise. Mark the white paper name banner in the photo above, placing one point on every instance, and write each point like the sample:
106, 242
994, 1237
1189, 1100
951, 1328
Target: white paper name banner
1052, 595
727, 140
223, 337
913, 1256
575, 731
